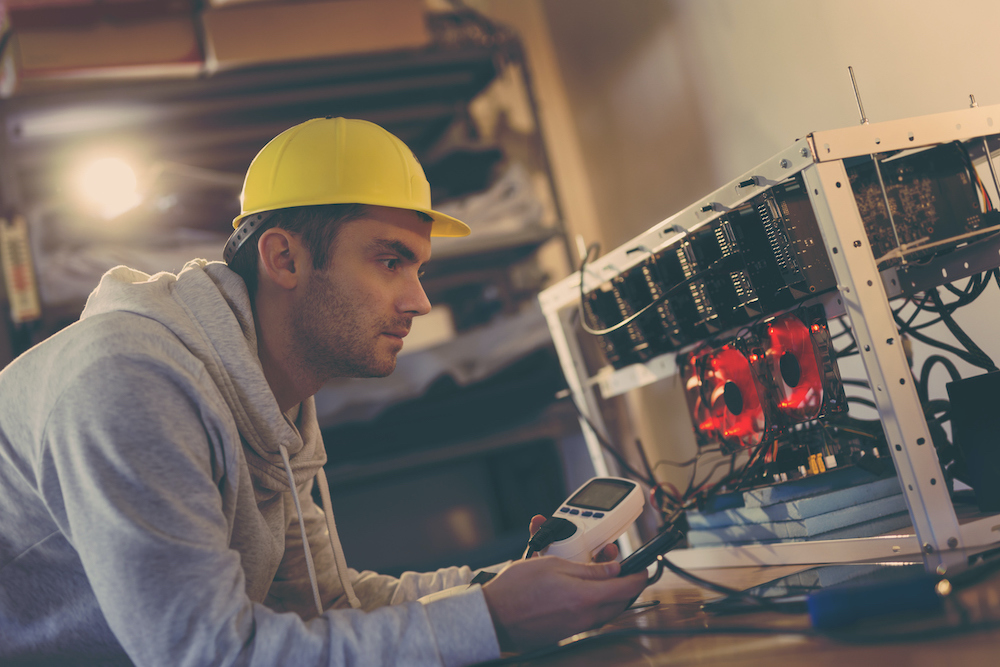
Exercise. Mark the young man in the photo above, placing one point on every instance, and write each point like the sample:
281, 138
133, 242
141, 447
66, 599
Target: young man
157, 458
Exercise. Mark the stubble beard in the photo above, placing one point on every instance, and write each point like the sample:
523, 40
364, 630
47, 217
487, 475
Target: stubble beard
338, 335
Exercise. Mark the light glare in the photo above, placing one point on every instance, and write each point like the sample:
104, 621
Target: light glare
110, 185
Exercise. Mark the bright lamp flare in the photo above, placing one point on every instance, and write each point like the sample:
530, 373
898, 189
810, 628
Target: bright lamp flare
110, 185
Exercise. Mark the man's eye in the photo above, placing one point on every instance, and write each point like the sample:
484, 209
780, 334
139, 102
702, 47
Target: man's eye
391, 263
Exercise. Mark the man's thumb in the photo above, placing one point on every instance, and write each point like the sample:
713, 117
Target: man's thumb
598, 571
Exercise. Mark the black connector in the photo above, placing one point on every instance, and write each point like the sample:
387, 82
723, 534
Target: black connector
553, 530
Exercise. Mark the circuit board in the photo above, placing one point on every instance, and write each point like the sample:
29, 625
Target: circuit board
932, 198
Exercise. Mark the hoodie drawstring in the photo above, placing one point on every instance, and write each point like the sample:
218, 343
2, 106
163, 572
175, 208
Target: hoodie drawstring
302, 526
338, 551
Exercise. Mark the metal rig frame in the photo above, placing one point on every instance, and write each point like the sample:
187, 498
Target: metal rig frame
862, 293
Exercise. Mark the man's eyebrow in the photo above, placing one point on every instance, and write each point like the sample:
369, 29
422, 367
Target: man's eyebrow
393, 245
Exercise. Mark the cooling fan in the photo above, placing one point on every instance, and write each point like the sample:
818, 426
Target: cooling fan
806, 380
791, 359
738, 396
698, 382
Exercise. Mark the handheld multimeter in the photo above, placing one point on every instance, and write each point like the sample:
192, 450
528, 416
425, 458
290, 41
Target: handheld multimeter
597, 513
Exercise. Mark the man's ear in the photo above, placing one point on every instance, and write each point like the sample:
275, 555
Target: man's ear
281, 255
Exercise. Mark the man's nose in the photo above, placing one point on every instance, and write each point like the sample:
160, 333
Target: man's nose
415, 300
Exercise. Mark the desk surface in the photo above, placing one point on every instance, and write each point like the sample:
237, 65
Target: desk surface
680, 608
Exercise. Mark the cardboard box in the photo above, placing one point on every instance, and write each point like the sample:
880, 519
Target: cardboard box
252, 34
165, 45
25, 14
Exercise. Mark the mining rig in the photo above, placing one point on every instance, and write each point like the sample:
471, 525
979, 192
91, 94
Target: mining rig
742, 293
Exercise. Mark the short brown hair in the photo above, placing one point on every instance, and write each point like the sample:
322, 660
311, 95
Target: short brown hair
317, 225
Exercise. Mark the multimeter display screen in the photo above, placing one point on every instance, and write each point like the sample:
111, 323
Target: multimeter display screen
601, 494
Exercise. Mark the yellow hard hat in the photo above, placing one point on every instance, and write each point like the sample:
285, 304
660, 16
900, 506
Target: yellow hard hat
339, 161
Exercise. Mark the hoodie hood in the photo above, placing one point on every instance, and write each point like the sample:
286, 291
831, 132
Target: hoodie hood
207, 307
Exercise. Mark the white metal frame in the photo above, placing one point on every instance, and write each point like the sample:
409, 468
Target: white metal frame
939, 537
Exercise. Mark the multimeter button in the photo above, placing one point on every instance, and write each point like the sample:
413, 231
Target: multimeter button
587, 513
598, 515
574, 511
564, 510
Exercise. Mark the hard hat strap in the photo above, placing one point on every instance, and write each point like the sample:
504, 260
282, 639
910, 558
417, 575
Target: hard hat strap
247, 227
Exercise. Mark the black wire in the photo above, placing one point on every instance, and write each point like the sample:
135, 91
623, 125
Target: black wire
718, 464
704, 583
964, 355
645, 459
984, 360
906, 303
973, 290
583, 264
848, 350
925, 373
682, 464
737, 476
862, 401
611, 450
916, 311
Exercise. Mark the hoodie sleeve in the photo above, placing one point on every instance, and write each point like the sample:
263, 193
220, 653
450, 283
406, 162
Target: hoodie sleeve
129, 468
291, 590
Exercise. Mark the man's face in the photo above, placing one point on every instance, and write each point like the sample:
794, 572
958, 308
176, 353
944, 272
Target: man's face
354, 314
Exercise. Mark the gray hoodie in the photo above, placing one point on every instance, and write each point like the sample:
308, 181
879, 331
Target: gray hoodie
146, 507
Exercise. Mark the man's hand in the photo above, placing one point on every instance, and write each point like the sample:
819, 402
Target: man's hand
539, 601
608, 554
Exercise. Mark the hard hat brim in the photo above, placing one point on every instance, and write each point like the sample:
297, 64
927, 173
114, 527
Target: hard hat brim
445, 225
441, 224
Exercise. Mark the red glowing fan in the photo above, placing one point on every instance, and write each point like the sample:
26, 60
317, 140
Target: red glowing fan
791, 358
736, 398
697, 386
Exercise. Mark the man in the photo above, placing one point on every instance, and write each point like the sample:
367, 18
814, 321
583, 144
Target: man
157, 458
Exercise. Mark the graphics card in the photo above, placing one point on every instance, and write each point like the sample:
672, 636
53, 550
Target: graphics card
777, 374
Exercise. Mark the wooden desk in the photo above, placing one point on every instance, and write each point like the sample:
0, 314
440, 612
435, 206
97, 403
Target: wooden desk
680, 608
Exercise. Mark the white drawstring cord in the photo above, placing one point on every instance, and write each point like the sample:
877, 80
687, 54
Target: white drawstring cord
338, 549
302, 526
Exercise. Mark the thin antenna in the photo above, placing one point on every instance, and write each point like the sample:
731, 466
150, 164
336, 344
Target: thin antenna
972, 101
857, 94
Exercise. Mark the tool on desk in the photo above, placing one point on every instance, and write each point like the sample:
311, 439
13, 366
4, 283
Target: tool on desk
594, 515
838, 596
835, 595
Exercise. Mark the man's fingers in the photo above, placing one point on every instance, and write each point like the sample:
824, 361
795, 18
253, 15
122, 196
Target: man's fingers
536, 523
539, 601
622, 589
608, 553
